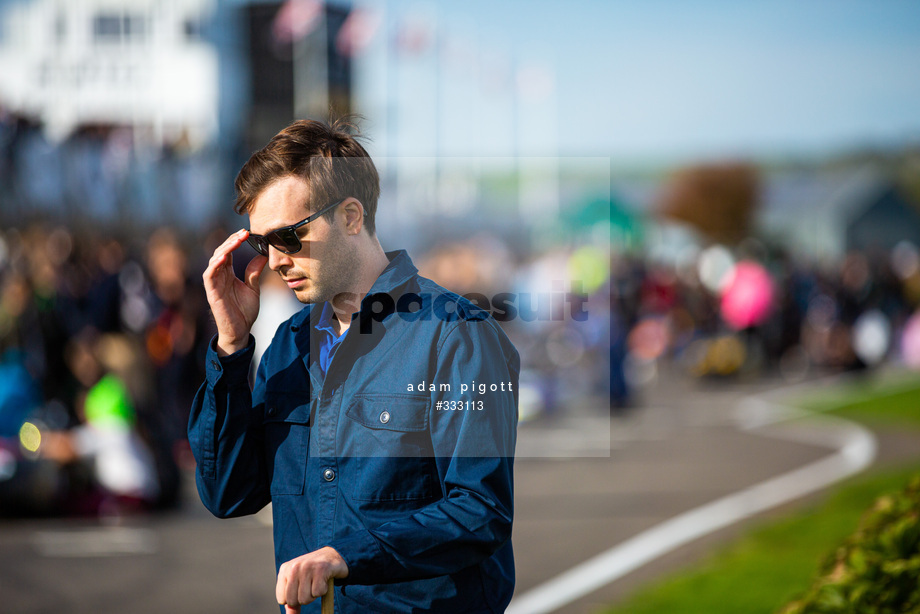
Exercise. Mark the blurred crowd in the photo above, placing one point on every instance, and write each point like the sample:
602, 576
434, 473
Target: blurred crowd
749, 311
733, 313
103, 336
101, 351
103, 339
119, 174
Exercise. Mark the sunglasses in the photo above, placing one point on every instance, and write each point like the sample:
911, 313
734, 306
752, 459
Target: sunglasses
285, 240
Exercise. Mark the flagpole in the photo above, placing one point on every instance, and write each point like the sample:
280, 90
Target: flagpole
311, 68
300, 50
391, 104
323, 57
436, 29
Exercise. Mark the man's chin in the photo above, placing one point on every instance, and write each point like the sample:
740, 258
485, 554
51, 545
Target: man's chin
308, 295
305, 297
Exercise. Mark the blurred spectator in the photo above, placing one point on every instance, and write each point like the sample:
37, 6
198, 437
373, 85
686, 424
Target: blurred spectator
176, 336
57, 287
123, 468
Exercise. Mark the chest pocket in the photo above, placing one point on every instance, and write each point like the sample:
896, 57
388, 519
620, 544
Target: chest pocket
391, 448
287, 437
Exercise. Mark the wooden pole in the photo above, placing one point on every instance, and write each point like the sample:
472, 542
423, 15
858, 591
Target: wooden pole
328, 599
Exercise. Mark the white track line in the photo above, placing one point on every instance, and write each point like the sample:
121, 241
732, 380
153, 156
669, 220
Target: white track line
856, 447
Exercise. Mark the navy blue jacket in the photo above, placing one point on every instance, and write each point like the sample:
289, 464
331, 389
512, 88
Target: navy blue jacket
400, 458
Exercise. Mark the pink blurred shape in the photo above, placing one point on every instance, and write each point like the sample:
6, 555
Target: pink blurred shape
748, 297
910, 341
295, 19
357, 31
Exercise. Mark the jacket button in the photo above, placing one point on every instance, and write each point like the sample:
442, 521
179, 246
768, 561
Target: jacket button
215, 364
384, 417
328, 475
272, 411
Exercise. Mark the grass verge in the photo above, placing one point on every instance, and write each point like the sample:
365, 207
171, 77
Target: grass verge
772, 563
874, 402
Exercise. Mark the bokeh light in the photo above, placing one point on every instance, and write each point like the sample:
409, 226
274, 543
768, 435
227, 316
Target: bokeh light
910, 342
871, 337
30, 437
715, 266
748, 296
905, 259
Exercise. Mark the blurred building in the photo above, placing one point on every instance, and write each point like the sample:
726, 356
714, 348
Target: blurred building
296, 64
825, 212
141, 64
887, 217
818, 211
140, 112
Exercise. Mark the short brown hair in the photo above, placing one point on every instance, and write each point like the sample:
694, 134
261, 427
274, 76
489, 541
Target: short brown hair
327, 156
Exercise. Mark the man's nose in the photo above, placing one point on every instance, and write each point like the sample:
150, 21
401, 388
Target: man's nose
277, 259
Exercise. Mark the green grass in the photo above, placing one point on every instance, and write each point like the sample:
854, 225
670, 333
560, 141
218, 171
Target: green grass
892, 402
765, 569
777, 561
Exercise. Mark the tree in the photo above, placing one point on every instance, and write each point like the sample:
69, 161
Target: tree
718, 200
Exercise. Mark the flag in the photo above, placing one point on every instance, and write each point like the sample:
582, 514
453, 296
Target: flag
357, 32
414, 35
295, 19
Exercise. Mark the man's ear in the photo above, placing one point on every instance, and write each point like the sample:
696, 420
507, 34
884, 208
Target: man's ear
354, 216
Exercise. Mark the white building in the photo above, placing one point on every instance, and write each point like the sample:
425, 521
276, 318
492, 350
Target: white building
138, 63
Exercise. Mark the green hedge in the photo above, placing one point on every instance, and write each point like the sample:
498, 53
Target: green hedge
877, 570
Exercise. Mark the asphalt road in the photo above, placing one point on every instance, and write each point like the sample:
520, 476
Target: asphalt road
678, 450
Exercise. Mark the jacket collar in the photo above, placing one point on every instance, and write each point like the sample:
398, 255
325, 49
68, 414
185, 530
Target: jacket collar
396, 274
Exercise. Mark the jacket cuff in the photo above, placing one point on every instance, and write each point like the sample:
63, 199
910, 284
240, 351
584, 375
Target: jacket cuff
232, 368
362, 554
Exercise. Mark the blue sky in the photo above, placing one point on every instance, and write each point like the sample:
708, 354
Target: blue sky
654, 80
645, 80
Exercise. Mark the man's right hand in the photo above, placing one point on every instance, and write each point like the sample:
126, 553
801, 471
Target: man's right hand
234, 302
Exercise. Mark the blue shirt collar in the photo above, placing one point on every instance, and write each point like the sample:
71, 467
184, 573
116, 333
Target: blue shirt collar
324, 322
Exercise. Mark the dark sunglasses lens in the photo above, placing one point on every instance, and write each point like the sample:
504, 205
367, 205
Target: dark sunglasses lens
285, 240
259, 244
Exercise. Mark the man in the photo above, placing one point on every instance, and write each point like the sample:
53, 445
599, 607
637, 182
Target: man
381, 425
